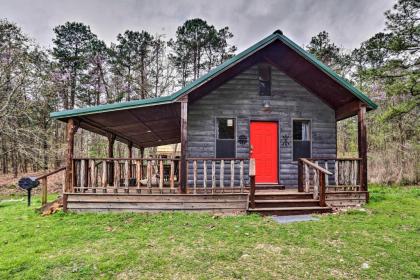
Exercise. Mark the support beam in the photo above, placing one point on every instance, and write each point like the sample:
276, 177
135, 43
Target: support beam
111, 141
347, 110
141, 163
71, 130
130, 155
72, 127
184, 143
362, 146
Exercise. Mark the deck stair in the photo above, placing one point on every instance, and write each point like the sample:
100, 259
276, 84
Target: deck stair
286, 203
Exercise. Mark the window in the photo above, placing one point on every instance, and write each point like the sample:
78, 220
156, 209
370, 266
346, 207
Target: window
301, 139
225, 141
264, 78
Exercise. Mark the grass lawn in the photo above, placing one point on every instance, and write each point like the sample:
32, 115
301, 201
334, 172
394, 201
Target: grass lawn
382, 242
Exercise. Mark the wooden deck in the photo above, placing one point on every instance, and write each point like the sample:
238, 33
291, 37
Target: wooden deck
154, 185
268, 202
118, 202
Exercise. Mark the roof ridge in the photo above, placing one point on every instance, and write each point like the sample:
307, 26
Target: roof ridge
276, 35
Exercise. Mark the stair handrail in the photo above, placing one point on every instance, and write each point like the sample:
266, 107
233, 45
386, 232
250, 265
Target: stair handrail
44, 183
321, 177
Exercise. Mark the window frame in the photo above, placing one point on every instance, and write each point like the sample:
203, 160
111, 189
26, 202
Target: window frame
216, 131
310, 133
269, 81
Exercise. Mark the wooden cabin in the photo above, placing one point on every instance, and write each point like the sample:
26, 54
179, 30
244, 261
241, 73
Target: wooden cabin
258, 133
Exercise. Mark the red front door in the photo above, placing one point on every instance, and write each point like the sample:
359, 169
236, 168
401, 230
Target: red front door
264, 148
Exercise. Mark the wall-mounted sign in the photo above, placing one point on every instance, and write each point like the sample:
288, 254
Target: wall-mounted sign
285, 140
242, 139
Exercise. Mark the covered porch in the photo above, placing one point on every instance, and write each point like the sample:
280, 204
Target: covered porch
227, 184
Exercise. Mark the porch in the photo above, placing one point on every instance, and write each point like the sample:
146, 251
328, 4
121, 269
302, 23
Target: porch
213, 185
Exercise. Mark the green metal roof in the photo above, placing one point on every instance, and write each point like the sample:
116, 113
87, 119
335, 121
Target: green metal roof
277, 35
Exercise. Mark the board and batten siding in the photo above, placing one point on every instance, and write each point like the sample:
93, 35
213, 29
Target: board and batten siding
239, 98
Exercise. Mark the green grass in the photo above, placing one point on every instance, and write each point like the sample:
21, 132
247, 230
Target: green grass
193, 246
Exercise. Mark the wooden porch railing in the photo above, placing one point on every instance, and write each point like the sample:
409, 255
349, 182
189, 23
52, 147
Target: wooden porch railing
210, 175
125, 175
44, 184
345, 177
318, 182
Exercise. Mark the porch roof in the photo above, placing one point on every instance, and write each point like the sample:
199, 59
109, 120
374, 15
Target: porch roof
141, 121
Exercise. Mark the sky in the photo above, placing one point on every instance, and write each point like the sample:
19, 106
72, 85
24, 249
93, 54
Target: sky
349, 22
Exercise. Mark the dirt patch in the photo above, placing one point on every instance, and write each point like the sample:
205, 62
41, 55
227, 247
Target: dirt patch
9, 185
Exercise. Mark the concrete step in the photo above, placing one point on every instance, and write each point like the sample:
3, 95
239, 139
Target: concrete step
266, 203
285, 211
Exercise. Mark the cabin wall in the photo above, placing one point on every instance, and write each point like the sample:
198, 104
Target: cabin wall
239, 98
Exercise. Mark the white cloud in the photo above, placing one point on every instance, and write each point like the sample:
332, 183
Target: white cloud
348, 21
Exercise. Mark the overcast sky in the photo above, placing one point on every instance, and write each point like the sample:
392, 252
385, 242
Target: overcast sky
349, 22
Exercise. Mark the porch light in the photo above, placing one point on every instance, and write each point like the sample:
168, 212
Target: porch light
266, 104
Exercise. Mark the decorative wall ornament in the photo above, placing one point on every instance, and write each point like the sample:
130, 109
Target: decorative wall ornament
285, 142
242, 139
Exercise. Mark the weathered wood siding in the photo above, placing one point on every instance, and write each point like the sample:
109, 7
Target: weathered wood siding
238, 98
213, 203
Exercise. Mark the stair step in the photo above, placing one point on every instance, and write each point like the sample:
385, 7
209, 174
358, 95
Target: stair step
270, 187
266, 203
281, 196
284, 211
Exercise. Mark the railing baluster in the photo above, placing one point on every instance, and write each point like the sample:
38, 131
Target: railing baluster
213, 176
187, 173
104, 176
195, 176
172, 175
82, 174
241, 175
222, 174
326, 175
127, 177
316, 184
232, 173
205, 175
306, 177
336, 173
117, 175
138, 175
93, 175
149, 175
161, 176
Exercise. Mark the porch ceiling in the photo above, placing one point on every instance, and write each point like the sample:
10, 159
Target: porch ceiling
144, 127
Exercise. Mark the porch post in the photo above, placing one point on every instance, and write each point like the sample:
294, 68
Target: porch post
130, 156
68, 181
362, 146
141, 163
184, 143
111, 141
